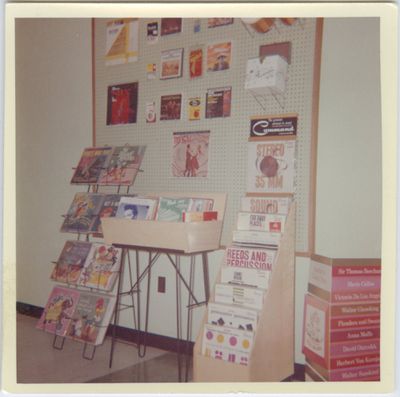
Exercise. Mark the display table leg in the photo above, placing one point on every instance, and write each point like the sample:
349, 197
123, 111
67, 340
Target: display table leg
142, 352
206, 277
178, 313
189, 317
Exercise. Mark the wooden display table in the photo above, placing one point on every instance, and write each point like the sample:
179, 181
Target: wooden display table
172, 239
189, 237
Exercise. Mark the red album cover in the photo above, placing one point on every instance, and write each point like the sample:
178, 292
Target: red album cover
196, 62
171, 107
170, 26
122, 102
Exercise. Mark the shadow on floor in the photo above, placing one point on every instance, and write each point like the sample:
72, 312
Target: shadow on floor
163, 368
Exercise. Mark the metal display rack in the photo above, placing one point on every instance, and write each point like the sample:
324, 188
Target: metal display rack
89, 350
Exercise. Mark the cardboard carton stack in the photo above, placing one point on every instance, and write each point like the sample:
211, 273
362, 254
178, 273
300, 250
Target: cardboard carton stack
341, 329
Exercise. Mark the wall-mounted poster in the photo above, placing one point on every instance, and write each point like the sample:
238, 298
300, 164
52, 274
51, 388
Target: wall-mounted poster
195, 62
171, 26
122, 102
122, 41
190, 154
171, 63
214, 22
170, 108
219, 56
152, 32
218, 102
271, 166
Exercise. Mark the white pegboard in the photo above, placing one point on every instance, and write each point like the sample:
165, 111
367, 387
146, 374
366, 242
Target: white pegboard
228, 136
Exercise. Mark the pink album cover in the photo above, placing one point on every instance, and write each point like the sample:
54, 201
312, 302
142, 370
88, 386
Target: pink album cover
190, 154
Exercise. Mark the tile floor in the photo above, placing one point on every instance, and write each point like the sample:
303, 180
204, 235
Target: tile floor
39, 362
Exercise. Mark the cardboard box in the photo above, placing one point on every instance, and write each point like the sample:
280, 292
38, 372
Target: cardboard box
266, 75
348, 374
311, 375
345, 280
329, 335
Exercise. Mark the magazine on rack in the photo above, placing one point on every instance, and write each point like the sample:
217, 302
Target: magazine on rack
123, 165
81, 216
101, 267
92, 162
71, 261
137, 208
91, 317
77, 314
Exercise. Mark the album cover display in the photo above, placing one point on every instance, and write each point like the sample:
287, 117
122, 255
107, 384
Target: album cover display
190, 154
122, 103
218, 102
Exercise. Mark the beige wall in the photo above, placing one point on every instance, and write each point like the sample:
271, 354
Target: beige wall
53, 72
348, 217
54, 113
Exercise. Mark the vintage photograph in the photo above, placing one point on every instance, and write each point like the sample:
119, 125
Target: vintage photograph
218, 215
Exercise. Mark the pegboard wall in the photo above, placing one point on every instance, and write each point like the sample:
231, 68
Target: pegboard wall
227, 168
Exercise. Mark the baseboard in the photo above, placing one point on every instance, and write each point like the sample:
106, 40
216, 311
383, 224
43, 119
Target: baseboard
158, 341
29, 310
